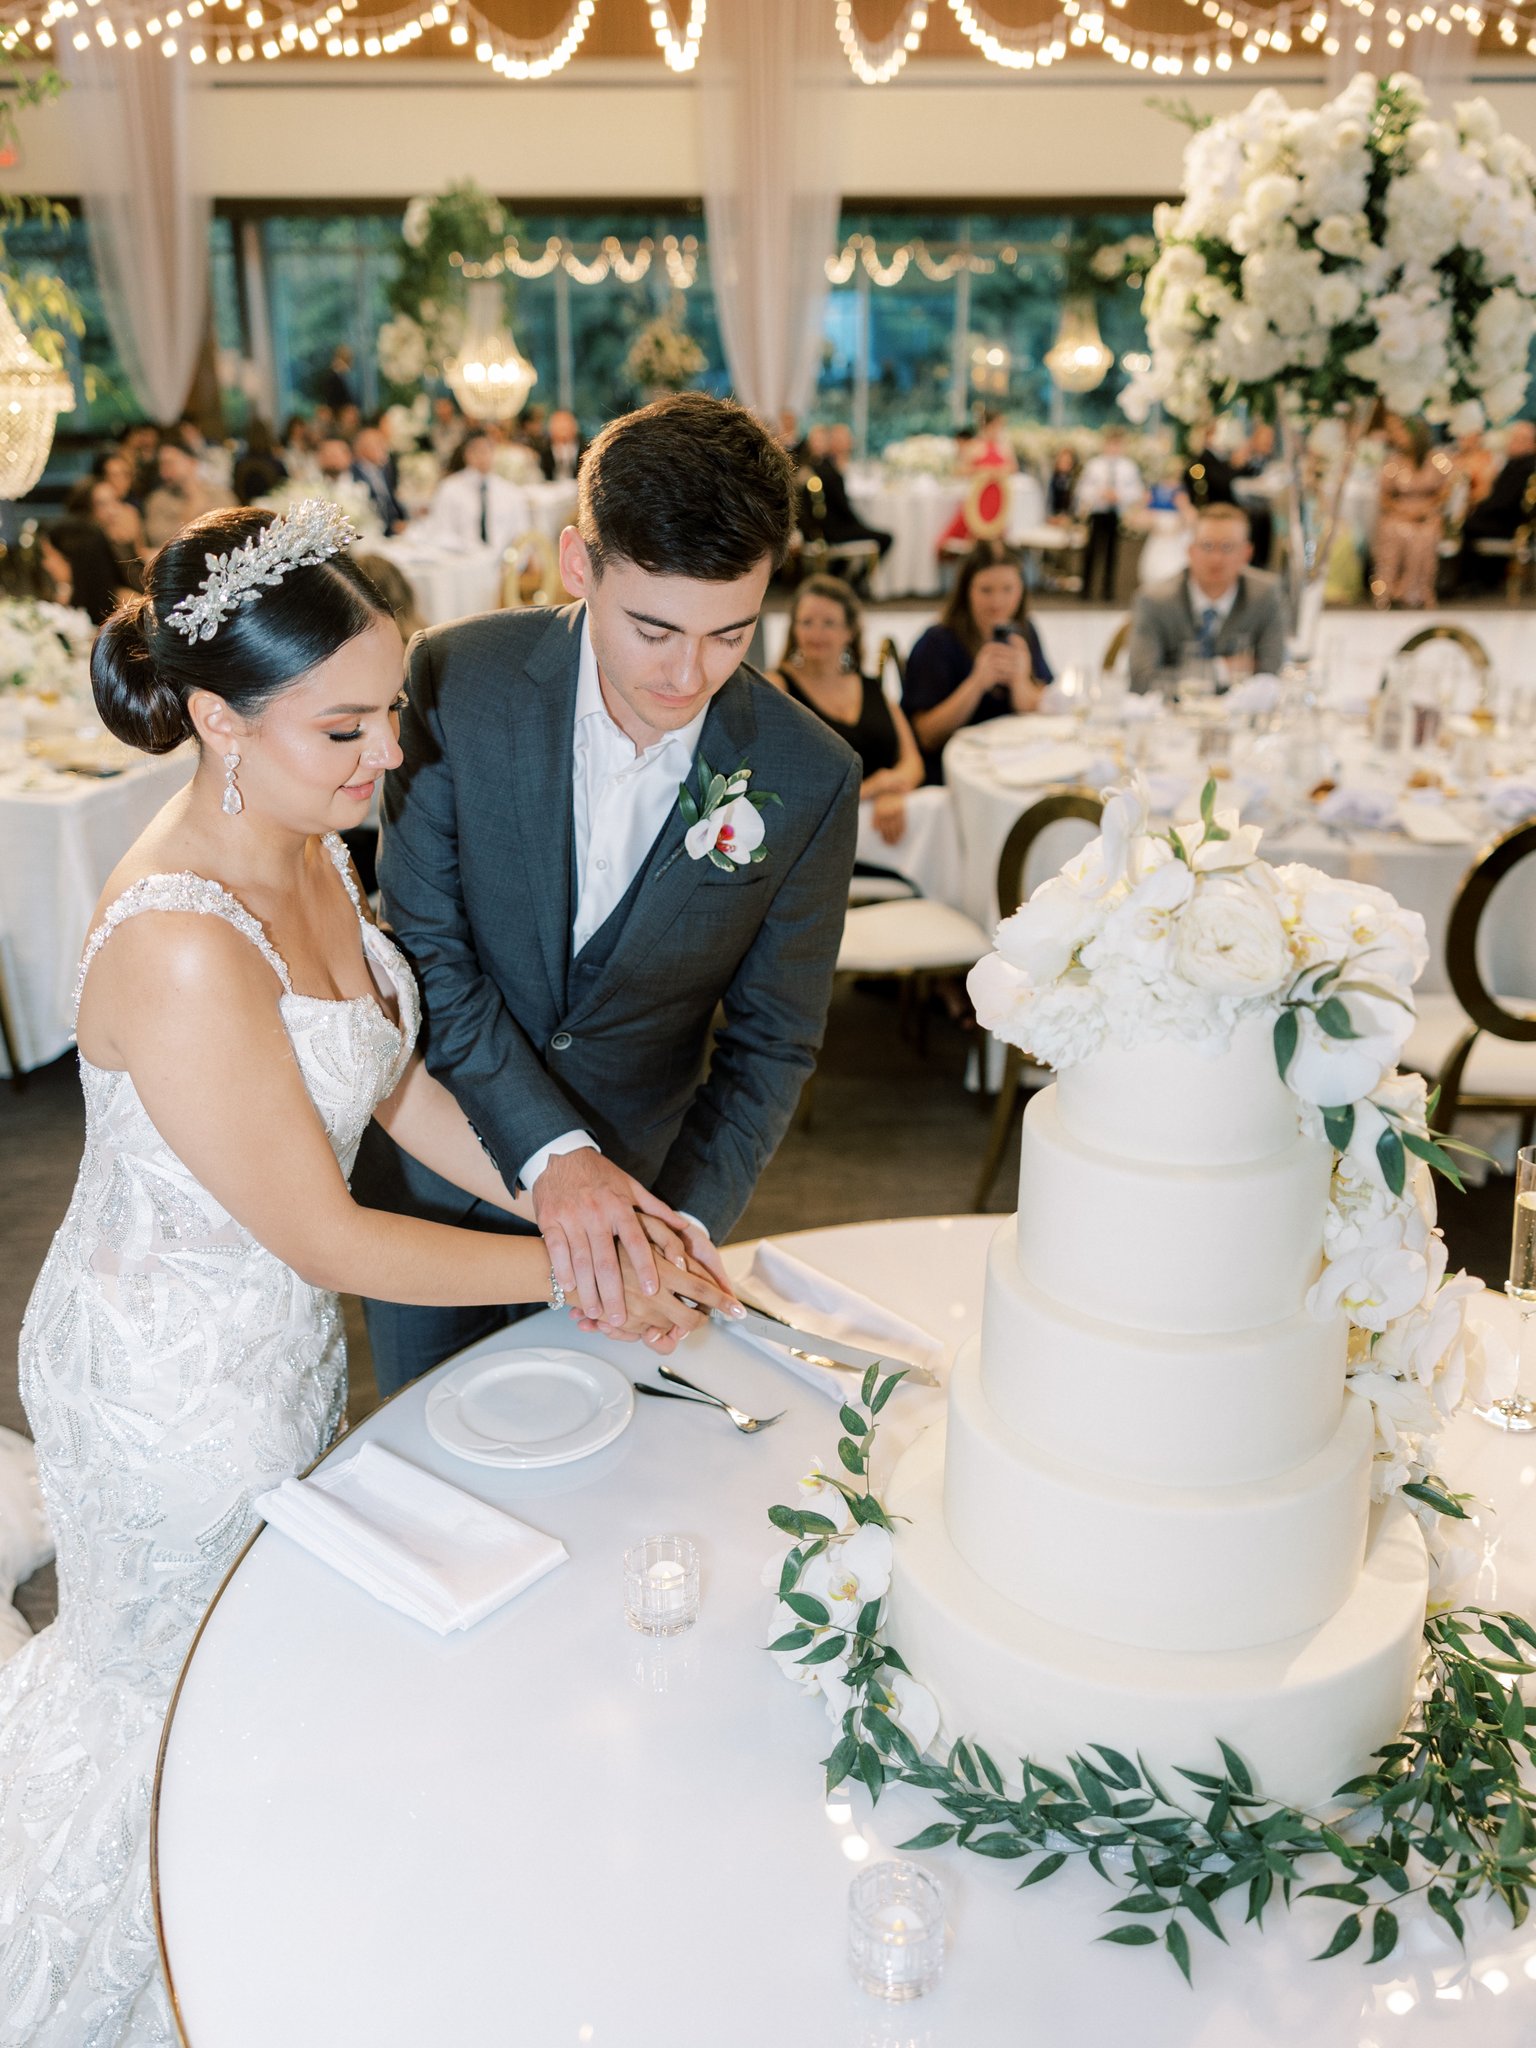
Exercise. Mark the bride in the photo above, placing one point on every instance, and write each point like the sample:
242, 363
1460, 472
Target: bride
239, 1021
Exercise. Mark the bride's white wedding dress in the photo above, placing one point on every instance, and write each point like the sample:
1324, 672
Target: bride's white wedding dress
172, 1369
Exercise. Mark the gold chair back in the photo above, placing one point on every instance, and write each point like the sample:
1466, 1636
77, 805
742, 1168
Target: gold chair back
530, 573
1469, 643
1116, 646
1050, 810
891, 657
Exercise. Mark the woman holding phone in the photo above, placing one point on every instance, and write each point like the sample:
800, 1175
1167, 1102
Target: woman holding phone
982, 660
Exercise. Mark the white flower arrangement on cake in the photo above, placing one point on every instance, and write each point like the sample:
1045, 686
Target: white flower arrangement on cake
1182, 935
1358, 250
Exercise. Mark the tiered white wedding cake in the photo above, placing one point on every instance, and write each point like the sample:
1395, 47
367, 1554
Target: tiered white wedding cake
1149, 1520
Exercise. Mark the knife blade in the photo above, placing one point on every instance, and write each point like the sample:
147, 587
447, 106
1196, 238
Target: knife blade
825, 1351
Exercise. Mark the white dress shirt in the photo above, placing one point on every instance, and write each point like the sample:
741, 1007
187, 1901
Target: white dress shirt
460, 499
1109, 483
619, 802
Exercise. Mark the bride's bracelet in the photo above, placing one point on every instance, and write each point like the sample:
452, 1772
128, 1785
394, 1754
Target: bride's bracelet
556, 1291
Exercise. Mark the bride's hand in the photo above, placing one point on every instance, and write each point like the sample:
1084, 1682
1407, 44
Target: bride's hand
681, 1303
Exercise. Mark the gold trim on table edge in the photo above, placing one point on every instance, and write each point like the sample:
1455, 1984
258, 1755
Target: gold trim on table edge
181, 1679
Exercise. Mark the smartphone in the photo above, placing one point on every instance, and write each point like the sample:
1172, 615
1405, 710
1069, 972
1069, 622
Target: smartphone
1004, 634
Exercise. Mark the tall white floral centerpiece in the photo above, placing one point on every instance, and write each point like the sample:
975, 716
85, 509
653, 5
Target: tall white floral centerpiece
1324, 260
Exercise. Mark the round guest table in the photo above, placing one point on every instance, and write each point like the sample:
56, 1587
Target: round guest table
550, 1830
61, 836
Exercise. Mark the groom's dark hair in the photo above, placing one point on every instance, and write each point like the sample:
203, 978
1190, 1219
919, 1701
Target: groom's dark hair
689, 486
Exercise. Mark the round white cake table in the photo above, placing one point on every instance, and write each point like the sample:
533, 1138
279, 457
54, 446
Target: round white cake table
549, 1830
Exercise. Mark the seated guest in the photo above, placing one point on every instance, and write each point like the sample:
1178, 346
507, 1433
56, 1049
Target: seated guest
821, 670
474, 504
113, 467
1061, 487
1502, 513
260, 469
182, 494
982, 660
376, 469
79, 563
827, 450
986, 452
1475, 464
336, 384
396, 589
561, 449
1110, 486
95, 498
1208, 476
1220, 605
334, 456
1410, 518
140, 449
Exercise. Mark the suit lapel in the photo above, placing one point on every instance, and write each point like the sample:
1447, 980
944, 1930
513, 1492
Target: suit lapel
669, 877
539, 733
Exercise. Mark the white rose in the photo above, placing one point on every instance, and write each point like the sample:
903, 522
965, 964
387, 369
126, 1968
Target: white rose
1342, 234
1231, 941
1066, 1024
413, 228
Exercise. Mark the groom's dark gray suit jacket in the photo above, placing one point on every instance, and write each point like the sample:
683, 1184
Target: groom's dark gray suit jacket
478, 882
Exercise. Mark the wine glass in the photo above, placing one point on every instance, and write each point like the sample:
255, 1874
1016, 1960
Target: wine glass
1519, 1411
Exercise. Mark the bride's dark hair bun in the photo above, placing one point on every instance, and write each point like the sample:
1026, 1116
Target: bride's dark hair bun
143, 670
136, 703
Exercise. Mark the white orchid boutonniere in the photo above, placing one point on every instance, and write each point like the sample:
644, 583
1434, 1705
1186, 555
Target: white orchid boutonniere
724, 820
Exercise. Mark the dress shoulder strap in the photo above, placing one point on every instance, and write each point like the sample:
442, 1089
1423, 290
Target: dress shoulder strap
335, 846
180, 892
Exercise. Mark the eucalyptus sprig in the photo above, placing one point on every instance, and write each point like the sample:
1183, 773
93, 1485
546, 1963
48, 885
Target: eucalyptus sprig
1446, 1815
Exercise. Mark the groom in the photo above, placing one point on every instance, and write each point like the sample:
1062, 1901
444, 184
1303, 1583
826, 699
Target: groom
573, 936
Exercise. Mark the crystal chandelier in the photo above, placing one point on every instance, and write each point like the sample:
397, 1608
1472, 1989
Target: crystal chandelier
490, 376
32, 395
1078, 359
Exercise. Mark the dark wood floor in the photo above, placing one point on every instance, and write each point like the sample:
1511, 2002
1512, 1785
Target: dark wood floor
892, 1133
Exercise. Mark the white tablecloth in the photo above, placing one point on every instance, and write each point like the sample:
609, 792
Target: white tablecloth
915, 510
58, 844
550, 1830
928, 851
450, 583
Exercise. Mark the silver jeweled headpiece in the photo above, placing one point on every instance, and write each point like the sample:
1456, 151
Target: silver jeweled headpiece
312, 532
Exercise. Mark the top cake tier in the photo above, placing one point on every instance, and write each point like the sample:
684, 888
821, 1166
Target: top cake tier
1175, 1104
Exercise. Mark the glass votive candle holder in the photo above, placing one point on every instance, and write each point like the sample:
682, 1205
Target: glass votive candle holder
661, 1585
896, 1930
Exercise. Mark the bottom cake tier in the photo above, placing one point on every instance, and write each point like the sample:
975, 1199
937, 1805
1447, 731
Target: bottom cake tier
1305, 1714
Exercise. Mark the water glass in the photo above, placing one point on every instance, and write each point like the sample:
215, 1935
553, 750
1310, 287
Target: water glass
661, 1585
896, 1930
1518, 1413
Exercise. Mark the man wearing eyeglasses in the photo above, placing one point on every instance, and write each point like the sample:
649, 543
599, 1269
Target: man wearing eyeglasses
1221, 609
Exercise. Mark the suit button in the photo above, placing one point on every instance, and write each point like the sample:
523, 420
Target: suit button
560, 1042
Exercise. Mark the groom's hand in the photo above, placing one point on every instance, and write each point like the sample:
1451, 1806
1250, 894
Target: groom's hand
585, 1207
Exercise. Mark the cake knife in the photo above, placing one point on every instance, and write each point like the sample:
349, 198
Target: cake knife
831, 1352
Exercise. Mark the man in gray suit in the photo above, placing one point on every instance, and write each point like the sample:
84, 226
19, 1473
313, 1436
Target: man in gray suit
574, 923
1220, 606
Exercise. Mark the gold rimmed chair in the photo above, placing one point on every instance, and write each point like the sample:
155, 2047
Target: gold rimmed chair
1116, 645
1457, 636
1011, 867
530, 572
1478, 1050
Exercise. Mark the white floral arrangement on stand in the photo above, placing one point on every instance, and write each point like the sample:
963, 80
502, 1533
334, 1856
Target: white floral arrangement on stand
1182, 935
45, 648
663, 356
1358, 250
921, 455
402, 347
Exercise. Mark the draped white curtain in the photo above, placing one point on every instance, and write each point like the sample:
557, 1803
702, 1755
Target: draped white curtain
770, 86
129, 113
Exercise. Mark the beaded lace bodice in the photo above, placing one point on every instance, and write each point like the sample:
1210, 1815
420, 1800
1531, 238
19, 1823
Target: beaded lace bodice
172, 1369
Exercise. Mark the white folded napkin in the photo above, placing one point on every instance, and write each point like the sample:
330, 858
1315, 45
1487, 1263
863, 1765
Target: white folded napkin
814, 1301
1257, 694
1509, 800
410, 1539
1428, 822
1359, 805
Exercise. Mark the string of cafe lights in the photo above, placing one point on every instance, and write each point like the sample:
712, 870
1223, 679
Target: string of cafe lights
271, 29
680, 259
1239, 34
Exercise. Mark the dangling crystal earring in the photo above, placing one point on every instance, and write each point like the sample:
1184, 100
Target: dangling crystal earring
232, 803
797, 659
846, 664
